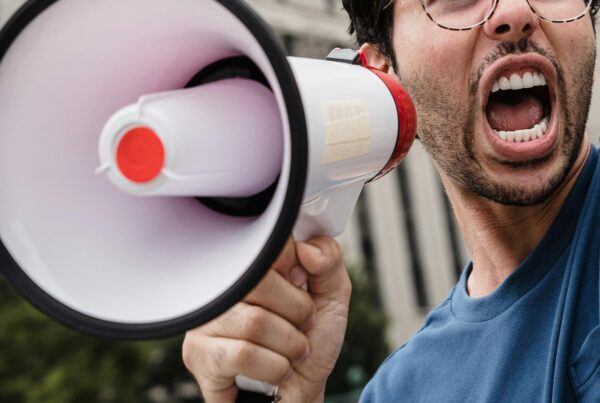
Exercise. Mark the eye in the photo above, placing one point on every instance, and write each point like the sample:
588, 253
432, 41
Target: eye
452, 6
458, 13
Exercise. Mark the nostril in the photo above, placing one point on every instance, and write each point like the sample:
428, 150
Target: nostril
527, 28
502, 29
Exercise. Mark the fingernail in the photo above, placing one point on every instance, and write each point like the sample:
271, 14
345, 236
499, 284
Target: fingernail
298, 276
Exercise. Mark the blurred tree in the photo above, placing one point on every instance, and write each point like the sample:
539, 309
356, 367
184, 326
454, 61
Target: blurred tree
44, 362
365, 346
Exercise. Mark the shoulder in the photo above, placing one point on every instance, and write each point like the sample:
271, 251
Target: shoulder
399, 374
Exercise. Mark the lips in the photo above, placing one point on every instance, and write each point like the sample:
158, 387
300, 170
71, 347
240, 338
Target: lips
519, 107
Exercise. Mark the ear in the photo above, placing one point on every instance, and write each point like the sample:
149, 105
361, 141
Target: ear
374, 58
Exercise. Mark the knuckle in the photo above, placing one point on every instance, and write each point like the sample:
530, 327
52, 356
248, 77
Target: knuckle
233, 312
334, 248
253, 323
305, 309
202, 356
245, 354
190, 350
332, 252
278, 369
232, 323
299, 347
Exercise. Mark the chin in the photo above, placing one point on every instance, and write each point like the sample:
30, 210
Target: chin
528, 183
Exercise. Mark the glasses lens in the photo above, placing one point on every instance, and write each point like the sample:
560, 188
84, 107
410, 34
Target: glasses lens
559, 10
459, 14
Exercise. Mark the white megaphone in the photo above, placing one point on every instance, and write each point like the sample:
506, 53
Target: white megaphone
196, 108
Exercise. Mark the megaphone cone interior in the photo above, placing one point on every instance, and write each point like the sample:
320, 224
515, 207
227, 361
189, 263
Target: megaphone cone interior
82, 251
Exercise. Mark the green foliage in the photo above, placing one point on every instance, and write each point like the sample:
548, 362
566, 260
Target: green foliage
44, 362
365, 346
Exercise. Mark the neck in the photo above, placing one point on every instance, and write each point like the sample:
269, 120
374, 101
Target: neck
500, 237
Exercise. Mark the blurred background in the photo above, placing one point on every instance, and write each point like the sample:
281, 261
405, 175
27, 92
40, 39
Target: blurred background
402, 247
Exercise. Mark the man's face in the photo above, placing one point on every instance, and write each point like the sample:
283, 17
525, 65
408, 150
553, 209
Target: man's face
475, 136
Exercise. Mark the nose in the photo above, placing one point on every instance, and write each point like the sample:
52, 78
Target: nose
512, 21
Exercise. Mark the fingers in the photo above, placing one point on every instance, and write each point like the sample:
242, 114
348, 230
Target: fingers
277, 295
265, 336
261, 327
286, 259
298, 277
247, 340
215, 361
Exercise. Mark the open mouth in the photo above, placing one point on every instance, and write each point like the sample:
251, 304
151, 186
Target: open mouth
519, 106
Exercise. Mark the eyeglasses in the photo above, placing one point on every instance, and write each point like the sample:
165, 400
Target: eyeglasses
462, 15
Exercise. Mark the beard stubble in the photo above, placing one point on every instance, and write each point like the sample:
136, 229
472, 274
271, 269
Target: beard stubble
446, 127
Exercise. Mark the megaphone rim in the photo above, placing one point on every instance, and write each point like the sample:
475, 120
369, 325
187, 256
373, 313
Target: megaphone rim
281, 230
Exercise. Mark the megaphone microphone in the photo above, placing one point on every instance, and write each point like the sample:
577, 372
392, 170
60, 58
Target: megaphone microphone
213, 147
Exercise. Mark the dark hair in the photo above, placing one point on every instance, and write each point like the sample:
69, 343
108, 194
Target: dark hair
372, 21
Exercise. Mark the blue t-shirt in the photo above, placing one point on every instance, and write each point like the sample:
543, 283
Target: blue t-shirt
535, 339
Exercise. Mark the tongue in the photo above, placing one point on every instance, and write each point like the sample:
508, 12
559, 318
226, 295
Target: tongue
523, 112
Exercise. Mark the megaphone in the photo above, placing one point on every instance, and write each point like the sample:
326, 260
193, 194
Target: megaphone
155, 155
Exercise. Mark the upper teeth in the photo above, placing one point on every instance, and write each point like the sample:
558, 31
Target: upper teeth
517, 82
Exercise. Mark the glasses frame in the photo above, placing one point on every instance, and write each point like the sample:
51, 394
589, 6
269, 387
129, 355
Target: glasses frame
493, 9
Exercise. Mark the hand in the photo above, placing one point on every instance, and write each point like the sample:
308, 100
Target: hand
279, 333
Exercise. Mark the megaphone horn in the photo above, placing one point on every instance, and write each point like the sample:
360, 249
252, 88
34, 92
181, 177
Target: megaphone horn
211, 143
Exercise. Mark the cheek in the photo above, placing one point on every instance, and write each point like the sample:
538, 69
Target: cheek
574, 48
579, 54
441, 59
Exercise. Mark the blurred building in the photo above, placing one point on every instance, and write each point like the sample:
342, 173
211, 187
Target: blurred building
403, 229
7, 7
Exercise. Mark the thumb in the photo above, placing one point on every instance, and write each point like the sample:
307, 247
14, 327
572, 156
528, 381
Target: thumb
321, 256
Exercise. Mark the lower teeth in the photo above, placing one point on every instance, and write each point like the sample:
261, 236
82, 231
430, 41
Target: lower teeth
521, 136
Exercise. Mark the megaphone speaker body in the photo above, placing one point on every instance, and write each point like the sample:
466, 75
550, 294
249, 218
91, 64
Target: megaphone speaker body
91, 252
84, 252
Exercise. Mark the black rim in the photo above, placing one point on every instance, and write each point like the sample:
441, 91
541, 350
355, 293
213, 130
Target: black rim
299, 152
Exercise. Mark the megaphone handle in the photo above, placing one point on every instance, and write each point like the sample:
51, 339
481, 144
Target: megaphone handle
329, 213
251, 390
253, 397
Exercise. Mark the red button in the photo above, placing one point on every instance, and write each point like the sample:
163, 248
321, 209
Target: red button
140, 155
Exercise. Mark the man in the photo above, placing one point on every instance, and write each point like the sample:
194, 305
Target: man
502, 90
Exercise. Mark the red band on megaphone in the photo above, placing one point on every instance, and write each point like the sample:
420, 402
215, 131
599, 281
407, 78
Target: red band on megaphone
140, 155
407, 118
